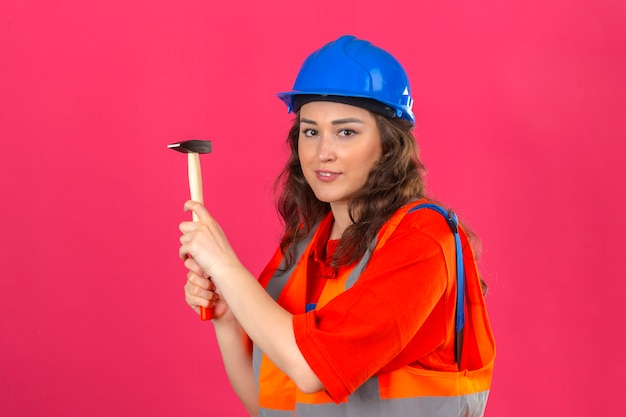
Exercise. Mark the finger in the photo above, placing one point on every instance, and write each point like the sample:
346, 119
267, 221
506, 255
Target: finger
198, 296
198, 209
195, 302
183, 253
193, 266
212, 286
199, 281
188, 226
188, 243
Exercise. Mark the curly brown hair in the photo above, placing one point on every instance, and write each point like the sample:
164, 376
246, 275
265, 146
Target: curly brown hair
395, 179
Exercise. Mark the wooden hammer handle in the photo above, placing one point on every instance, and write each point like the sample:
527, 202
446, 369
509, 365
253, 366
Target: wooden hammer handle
195, 188
195, 179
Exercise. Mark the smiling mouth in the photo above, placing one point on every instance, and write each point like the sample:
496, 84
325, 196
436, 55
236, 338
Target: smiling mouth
326, 175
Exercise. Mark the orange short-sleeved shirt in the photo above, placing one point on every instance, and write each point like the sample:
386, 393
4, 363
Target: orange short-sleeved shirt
400, 312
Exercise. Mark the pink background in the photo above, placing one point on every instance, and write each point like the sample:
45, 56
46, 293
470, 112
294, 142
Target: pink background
521, 112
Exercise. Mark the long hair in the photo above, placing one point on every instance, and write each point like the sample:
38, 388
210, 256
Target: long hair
395, 179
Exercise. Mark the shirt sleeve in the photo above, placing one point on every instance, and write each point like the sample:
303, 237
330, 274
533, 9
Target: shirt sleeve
406, 288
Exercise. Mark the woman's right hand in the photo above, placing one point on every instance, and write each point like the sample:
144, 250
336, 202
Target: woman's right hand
201, 292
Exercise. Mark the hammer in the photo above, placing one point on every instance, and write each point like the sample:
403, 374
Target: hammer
193, 148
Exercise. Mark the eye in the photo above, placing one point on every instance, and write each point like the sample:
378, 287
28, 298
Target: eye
309, 132
347, 132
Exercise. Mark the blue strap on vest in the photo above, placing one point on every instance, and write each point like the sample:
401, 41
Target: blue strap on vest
453, 222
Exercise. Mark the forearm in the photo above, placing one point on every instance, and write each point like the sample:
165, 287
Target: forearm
268, 325
236, 350
205, 249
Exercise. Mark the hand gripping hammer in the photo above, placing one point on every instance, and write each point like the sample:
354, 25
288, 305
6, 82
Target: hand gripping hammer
193, 149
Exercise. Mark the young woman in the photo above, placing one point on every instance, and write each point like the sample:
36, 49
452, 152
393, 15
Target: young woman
372, 304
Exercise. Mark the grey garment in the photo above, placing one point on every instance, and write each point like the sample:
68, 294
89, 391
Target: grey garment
366, 402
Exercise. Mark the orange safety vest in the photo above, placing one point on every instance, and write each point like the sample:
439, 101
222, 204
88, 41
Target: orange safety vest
407, 391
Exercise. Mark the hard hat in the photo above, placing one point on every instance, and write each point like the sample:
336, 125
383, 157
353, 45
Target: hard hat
351, 67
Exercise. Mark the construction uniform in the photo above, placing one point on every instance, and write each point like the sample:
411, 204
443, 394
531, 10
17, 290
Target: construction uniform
380, 333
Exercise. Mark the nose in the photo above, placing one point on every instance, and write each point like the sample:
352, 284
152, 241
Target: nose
326, 149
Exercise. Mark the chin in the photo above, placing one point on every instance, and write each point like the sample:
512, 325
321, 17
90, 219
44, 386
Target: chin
325, 198
331, 199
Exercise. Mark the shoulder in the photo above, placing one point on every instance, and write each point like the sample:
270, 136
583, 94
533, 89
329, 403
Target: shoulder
413, 236
416, 248
421, 222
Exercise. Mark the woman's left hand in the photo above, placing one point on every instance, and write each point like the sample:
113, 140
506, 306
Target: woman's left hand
206, 243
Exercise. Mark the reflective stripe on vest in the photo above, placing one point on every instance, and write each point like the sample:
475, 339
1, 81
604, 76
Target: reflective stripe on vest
404, 392
367, 401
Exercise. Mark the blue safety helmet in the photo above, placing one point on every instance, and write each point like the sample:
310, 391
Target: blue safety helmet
353, 68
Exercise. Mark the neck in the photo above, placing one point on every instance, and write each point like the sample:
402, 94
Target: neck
342, 219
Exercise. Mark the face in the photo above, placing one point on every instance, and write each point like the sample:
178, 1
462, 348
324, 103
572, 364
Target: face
338, 145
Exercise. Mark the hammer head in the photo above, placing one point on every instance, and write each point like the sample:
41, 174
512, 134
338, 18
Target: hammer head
192, 146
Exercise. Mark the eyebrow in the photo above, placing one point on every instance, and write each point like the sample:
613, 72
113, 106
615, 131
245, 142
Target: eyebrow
334, 122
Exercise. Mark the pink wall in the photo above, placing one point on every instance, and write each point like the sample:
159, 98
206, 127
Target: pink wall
521, 121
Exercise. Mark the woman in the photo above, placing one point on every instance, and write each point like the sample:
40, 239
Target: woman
359, 311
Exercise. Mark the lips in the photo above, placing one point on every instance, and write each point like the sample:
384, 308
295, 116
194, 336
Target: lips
326, 176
